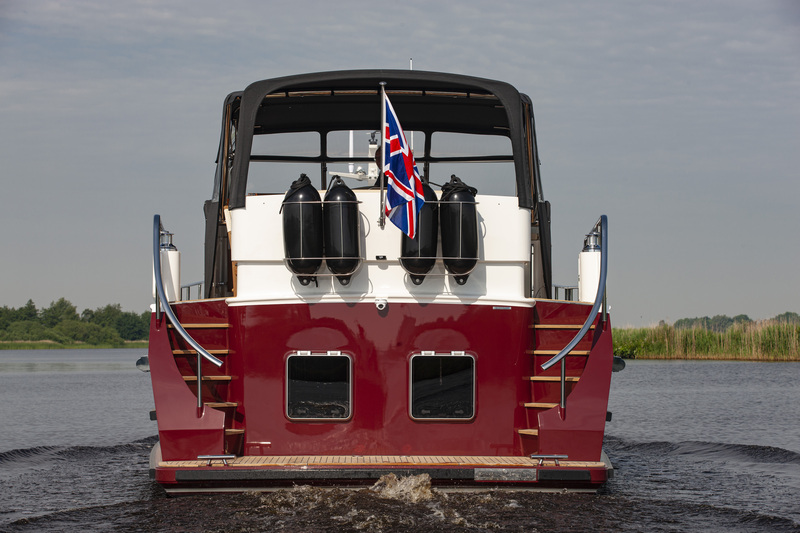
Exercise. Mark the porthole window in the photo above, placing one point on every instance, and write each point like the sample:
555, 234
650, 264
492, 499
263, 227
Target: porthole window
442, 386
318, 386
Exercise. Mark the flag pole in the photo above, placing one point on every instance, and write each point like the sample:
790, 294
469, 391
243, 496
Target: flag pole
382, 219
411, 67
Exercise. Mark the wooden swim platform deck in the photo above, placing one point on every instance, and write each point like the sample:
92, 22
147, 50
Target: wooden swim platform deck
381, 461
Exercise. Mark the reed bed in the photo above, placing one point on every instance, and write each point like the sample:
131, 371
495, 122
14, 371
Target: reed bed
754, 341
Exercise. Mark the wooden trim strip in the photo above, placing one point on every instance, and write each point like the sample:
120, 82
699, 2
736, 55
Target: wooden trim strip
559, 326
540, 405
194, 352
202, 326
555, 352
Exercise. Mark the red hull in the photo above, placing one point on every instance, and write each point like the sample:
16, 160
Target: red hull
339, 360
253, 421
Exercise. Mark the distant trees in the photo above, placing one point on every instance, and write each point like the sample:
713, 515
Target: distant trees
722, 323
788, 318
718, 323
61, 323
718, 337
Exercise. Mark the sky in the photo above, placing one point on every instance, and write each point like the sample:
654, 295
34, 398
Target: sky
678, 120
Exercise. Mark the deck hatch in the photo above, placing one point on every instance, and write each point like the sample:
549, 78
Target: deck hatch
319, 386
442, 386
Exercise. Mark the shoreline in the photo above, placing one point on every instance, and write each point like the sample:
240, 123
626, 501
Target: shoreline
713, 358
50, 345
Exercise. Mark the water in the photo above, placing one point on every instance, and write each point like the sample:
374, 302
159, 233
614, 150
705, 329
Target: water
697, 446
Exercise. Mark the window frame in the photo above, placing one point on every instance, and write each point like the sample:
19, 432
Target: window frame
474, 395
287, 384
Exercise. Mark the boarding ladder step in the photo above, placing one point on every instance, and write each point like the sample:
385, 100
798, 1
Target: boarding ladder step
558, 326
207, 378
555, 352
212, 333
194, 352
202, 325
548, 331
554, 378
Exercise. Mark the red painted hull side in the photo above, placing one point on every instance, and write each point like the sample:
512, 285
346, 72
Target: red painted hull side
381, 345
259, 339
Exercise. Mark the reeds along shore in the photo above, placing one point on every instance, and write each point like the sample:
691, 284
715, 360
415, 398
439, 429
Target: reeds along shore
756, 341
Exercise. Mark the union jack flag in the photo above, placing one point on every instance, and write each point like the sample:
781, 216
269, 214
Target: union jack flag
404, 195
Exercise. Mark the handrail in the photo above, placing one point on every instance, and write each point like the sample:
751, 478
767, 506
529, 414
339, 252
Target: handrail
162, 298
188, 288
569, 291
598, 300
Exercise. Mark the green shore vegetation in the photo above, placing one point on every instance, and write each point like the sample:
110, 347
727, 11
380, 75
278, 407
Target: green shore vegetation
60, 326
719, 337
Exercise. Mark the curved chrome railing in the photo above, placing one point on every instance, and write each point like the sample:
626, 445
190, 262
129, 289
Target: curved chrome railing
161, 298
598, 300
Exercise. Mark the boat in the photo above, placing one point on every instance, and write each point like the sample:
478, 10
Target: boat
327, 346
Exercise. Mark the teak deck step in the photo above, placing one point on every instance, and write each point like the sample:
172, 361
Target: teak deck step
540, 405
207, 378
202, 325
327, 461
555, 352
529, 432
221, 404
554, 378
194, 352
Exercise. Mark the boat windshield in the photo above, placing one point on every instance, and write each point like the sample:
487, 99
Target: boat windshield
482, 161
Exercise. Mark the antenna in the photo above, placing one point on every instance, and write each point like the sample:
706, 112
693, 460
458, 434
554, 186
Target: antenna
411, 67
351, 152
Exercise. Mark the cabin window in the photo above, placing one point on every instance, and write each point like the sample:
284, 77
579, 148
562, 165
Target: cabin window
351, 150
442, 386
277, 159
481, 161
318, 387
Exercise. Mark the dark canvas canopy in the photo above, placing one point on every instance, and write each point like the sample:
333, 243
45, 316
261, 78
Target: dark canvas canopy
426, 101
350, 100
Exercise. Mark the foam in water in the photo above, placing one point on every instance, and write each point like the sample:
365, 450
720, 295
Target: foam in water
412, 489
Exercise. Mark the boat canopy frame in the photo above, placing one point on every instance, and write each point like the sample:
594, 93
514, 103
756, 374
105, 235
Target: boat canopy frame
429, 102
425, 101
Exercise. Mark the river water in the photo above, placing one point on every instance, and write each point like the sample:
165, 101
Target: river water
697, 446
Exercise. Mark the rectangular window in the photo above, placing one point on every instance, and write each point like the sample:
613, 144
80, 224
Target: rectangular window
442, 386
277, 159
481, 161
318, 387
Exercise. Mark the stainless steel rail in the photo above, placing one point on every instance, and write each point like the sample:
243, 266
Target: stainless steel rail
602, 224
550, 457
186, 290
569, 292
161, 298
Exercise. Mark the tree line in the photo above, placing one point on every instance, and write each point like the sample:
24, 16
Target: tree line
718, 337
722, 323
61, 323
